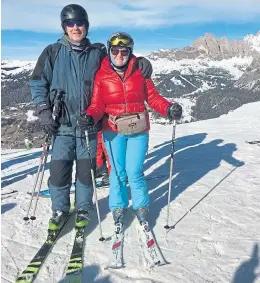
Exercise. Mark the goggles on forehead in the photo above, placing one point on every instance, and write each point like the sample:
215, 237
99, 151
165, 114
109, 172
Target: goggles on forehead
119, 40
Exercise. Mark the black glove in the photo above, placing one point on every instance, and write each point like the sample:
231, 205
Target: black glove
86, 122
174, 111
50, 126
145, 66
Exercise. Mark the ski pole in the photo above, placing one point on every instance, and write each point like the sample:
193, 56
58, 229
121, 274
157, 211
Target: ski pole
55, 115
170, 177
26, 218
44, 161
94, 185
44, 157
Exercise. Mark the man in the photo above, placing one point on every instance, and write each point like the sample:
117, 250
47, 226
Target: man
69, 66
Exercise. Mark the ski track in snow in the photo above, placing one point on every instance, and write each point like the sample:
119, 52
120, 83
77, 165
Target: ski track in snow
215, 210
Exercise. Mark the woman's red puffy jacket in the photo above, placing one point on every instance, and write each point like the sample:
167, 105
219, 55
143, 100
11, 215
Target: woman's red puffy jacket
115, 96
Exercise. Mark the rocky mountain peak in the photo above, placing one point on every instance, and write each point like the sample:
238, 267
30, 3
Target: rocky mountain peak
208, 46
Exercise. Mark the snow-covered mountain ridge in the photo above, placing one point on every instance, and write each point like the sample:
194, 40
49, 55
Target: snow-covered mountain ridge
208, 46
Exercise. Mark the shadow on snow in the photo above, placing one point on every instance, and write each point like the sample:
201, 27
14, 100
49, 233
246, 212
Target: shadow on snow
246, 272
7, 206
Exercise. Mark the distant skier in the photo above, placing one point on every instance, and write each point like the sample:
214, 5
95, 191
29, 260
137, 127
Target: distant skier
119, 96
27, 143
69, 65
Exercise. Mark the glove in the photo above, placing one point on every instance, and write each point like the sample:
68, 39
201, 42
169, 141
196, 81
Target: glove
50, 126
86, 122
145, 66
174, 111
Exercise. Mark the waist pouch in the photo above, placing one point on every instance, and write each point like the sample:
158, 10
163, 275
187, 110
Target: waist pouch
127, 124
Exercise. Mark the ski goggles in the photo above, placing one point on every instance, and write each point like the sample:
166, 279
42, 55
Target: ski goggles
71, 23
115, 51
117, 40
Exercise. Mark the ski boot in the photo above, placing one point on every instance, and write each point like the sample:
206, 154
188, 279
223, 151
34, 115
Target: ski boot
57, 220
105, 180
82, 218
142, 214
119, 215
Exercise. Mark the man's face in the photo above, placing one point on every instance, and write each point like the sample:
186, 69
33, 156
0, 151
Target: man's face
76, 30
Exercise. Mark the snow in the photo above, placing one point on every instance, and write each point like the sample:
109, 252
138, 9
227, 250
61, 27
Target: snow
177, 82
205, 86
214, 209
31, 117
193, 66
253, 41
17, 66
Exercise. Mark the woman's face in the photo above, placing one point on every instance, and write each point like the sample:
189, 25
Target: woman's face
119, 55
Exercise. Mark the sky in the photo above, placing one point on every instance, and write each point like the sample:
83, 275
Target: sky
28, 26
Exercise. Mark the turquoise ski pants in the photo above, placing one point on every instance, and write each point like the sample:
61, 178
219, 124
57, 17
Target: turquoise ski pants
127, 155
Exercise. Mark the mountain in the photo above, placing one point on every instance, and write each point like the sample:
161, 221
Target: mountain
214, 211
209, 78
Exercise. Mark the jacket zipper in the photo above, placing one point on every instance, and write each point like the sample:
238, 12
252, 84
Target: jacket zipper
123, 84
124, 96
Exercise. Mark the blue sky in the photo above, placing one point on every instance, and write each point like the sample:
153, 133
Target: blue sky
28, 26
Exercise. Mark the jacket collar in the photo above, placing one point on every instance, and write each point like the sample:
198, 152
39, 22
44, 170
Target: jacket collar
132, 66
65, 41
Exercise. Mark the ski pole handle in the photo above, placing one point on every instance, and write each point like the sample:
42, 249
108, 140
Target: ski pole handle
57, 103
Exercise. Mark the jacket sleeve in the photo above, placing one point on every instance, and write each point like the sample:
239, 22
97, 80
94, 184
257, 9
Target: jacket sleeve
155, 100
41, 78
97, 107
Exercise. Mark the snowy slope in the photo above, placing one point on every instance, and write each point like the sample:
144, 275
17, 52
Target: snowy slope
235, 66
14, 67
216, 178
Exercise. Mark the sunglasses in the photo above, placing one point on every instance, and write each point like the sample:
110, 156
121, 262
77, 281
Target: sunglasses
71, 23
116, 51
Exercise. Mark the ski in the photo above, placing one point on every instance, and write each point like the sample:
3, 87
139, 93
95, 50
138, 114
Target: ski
8, 191
148, 245
253, 142
30, 272
75, 265
116, 261
45, 193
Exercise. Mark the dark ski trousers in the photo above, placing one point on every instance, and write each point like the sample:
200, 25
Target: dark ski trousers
66, 149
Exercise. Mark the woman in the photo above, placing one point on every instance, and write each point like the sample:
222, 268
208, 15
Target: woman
119, 95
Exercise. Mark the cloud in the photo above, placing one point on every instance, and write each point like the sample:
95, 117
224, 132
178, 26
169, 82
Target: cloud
37, 15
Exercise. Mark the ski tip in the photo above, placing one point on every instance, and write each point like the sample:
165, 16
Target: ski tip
114, 267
